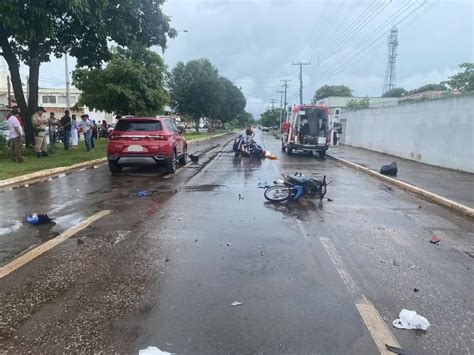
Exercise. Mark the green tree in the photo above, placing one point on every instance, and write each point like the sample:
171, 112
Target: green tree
196, 90
464, 80
233, 104
131, 83
270, 118
428, 87
331, 90
396, 92
31, 31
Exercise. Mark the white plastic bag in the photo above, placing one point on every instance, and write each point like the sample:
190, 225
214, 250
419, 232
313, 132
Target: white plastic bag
153, 350
411, 320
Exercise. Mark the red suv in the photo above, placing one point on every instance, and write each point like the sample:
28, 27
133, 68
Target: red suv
146, 140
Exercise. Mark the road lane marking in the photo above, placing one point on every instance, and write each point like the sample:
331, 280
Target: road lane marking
43, 248
378, 329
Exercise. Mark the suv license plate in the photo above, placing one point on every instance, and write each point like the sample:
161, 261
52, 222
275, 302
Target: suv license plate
135, 148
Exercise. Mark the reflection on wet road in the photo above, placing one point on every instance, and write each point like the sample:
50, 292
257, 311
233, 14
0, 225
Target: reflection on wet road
164, 270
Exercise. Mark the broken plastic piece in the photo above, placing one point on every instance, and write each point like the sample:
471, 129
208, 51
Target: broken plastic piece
153, 350
236, 304
228, 244
410, 320
394, 349
435, 240
145, 193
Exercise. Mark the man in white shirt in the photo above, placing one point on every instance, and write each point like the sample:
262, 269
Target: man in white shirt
87, 126
14, 134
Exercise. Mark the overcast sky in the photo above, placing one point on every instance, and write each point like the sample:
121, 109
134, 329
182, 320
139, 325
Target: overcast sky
254, 42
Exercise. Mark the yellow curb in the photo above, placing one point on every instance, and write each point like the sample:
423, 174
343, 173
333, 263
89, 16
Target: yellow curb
49, 172
63, 169
442, 201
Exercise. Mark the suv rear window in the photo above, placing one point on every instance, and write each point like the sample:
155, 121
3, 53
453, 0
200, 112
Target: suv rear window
143, 125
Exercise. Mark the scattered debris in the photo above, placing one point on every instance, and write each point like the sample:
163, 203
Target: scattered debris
236, 304
259, 247
228, 244
80, 241
166, 260
153, 350
416, 289
389, 188
410, 320
196, 240
330, 199
261, 252
389, 169
269, 155
395, 263
145, 193
382, 261
38, 218
419, 207
241, 197
435, 239
394, 349
194, 158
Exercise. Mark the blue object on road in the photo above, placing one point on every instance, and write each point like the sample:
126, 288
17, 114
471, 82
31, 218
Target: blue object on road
145, 193
36, 219
299, 192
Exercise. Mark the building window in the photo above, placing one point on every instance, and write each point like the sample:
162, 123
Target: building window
62, 100
49, 99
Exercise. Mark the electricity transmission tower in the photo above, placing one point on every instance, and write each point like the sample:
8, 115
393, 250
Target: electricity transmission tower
390, 80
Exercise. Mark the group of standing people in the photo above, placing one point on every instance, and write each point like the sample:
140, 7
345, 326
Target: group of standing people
67, 129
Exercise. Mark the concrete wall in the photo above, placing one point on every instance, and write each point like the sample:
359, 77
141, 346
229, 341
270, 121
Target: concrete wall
437, 132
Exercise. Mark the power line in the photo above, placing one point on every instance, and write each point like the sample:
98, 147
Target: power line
367, 46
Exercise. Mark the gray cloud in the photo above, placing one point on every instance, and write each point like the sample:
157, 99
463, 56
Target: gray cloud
253, 42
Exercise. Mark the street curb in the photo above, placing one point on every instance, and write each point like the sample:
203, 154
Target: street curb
42, 174
442, 201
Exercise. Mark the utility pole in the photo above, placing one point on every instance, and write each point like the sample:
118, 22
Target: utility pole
68, 103
281, 106
300, 64
273, 102
285, 85
8, 90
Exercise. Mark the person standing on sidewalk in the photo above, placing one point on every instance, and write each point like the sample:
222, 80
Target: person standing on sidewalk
86, 125
66, 124
52, 127
14, 134
74, 132
39, 127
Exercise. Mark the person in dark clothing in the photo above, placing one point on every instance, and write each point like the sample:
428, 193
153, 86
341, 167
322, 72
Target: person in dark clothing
66, 125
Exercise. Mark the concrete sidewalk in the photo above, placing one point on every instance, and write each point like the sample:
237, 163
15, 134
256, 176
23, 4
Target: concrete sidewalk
451, 184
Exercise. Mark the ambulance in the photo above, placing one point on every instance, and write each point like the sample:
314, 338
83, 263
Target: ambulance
307, 130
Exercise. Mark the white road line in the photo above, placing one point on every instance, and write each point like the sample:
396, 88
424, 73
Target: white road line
43, 248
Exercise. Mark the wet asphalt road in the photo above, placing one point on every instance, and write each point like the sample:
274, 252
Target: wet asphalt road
163, 270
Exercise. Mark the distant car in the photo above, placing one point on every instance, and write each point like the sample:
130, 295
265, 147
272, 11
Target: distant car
146, 141
265, 129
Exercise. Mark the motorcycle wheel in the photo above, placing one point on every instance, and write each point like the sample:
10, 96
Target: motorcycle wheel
277, 193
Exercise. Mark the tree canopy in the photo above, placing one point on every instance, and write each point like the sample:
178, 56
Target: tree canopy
197, 90
31, 31
464, 80
395, 92
331, 90
131, 83
270, 118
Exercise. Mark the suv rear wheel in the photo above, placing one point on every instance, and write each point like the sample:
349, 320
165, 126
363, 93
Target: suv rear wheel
114, 167
171, 164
